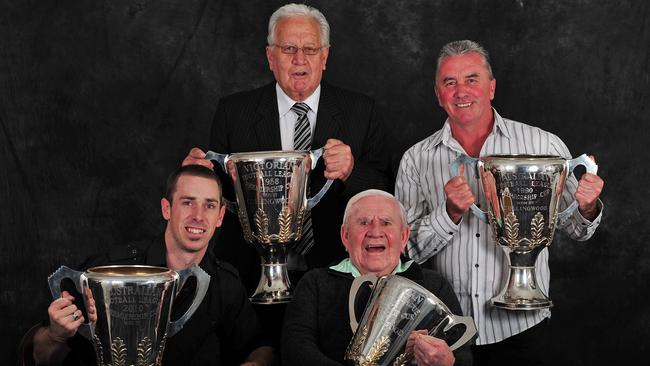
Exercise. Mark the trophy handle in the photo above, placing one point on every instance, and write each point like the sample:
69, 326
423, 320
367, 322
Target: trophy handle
356, 284
592, 168
470, 329
202, 282
311, 202
222, 159
472, 162
54, 280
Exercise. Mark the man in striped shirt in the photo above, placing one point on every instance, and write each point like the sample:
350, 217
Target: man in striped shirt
445, 237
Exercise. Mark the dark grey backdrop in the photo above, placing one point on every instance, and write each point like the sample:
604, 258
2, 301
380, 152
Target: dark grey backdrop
100, 100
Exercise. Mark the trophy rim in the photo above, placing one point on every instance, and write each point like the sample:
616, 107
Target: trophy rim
129, 271
271, 154
519, 157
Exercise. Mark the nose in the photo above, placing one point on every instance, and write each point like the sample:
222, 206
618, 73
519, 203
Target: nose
375, 229
198, 212
299, 57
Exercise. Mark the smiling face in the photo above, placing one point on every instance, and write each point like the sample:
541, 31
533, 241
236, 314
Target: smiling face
193, 215
375, 235
465, 90
298, 75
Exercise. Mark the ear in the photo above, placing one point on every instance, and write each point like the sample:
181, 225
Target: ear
222, 212
269, 56
324, 55
404, 237
493, 88
344, 237
166, 209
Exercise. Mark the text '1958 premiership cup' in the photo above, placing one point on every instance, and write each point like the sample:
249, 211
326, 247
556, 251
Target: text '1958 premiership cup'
523, 194
271, 192
397, 307
133, 306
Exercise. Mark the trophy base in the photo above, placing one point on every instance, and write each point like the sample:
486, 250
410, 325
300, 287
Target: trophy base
274, 286
522, 291
523, 304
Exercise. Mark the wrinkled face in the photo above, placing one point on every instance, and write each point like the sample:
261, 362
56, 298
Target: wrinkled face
375, 235
464, 89
193, 215
298, 75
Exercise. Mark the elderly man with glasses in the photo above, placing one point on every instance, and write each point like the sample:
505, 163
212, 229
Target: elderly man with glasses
299, 111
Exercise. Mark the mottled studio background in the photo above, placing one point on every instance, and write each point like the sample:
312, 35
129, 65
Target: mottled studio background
100, 100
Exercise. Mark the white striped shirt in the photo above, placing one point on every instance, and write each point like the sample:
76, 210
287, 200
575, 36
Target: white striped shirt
466, 254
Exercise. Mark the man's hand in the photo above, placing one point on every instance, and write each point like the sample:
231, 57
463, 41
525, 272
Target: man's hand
338, 158
589, 188
196, 156
428, 350
65, 318
459, 196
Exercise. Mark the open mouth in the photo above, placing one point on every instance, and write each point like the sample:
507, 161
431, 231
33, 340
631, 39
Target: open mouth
299, 74
463, 105
194, 231
375, 248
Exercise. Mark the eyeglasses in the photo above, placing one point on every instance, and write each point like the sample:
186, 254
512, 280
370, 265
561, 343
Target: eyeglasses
292, 50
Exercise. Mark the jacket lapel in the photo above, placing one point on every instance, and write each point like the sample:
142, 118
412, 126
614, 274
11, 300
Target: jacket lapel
329, 119
267, 126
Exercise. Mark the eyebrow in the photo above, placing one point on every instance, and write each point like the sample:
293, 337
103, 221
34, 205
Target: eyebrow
192, 198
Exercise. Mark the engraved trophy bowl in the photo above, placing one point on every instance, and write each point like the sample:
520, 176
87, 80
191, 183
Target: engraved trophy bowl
397, 307
271, 193
523, 194
133, 305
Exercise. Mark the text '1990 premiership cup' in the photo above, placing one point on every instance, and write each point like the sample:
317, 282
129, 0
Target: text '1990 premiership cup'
523, 194
271, 192
397, 307
133, 307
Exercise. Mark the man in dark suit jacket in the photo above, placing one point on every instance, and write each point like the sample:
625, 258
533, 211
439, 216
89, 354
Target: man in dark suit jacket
343, 122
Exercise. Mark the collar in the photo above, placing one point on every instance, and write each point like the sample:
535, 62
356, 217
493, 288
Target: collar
346, 266
156, 255
285, 103
445, 133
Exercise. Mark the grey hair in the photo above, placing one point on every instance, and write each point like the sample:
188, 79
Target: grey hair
299, 10
369, 193
457, 48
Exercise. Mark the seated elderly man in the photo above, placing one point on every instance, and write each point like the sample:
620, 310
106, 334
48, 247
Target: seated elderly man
317, 325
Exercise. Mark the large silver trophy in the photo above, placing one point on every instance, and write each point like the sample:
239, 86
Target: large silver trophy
271, 191
523, 195
133, 307
397, 307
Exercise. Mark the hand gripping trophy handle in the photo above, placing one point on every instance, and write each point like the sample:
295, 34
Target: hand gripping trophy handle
222, 159
472, 163
54, 281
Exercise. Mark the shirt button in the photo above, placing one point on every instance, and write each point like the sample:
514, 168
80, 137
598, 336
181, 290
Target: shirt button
475, 295
134, 251
451, 233
476, 265
478, 235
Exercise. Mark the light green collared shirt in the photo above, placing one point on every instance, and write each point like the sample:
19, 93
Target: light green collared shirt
346, 266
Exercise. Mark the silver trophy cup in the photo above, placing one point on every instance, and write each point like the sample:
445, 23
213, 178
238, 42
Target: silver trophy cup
133, 306
271, 192
523, 195
397, 307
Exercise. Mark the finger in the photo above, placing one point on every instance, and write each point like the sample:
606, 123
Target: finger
197, 153
461, 170
593, 158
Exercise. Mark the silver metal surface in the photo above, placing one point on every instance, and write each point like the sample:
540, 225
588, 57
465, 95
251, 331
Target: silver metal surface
397, 307
133, 306
271, 192
523, 194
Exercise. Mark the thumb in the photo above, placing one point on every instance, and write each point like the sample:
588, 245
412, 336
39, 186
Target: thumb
461, 170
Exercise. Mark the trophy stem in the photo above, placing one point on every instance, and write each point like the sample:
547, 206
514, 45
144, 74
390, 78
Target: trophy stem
522, 291
274, 286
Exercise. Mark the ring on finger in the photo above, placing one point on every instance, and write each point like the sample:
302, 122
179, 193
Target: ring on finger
74, 315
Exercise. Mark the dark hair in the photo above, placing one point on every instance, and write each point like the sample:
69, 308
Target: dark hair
191, 170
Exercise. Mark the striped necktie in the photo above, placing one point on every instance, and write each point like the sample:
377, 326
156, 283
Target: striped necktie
302, 141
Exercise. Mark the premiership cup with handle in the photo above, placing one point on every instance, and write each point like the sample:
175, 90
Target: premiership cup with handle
523, 194
133, 305
397, 307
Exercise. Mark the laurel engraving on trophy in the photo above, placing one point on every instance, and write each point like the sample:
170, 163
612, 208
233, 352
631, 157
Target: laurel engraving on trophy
512, 229
402, 360
118, 351
161, 350
262, 226
145, 351
537, 229
285, 225
299, 223
99, 351
353, 352
376, 351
